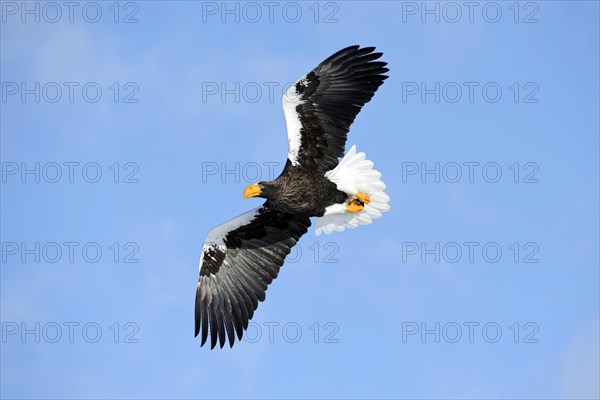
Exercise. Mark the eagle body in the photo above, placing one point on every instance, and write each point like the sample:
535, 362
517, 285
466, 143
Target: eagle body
302, 192
338, 189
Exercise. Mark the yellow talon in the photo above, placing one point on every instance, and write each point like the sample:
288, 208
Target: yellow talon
363, 198
355, 206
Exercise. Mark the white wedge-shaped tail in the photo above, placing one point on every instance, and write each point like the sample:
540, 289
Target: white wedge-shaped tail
354, 174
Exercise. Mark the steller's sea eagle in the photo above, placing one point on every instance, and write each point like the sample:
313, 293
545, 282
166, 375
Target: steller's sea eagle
241, 257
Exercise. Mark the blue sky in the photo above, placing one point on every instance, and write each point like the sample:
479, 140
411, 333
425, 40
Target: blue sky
370, 312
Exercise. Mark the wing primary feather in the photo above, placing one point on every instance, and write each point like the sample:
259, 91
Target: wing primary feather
327, 101
236, 267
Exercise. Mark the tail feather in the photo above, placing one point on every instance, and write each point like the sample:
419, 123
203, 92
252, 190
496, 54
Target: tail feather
352, 175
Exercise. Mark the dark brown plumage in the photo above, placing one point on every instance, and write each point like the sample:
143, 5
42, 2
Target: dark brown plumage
301, 192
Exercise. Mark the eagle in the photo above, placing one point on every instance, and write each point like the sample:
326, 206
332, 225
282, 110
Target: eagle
241, 257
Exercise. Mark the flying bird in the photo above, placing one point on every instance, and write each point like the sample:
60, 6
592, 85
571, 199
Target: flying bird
242, 257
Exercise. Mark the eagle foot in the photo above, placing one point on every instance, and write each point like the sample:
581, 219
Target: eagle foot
355, 206
363, 198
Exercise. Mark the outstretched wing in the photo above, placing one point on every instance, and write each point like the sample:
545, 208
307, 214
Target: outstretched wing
320, 107
239, 260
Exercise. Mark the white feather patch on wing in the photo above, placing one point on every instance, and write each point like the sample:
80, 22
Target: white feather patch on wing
215, 238
352, 175
290, 101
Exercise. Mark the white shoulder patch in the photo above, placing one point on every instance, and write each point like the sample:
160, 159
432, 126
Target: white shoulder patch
289, 101
216, 236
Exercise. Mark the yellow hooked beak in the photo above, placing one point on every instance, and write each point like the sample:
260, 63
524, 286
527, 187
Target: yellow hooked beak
252, 191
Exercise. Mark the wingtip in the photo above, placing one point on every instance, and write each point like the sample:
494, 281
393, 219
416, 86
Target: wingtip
197, 305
